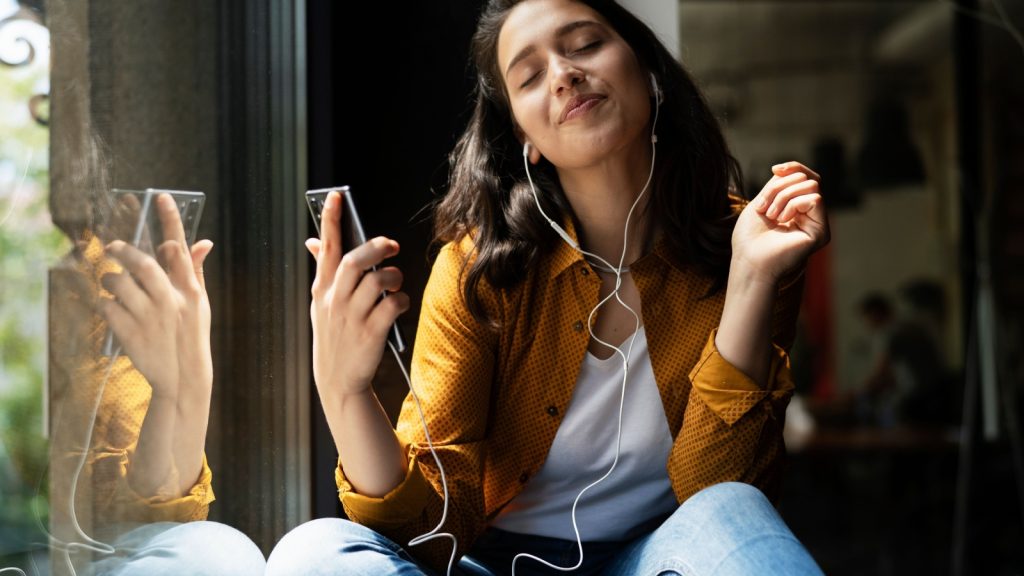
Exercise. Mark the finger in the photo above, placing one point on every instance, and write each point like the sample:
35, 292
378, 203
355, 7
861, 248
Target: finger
802, 204
313, 245
787, 168
200, 250
387, 312
372, 285
329, 255
170, 220
177, 262
786, 195
775, 185
143, 268
363, 257
118, 319
814, 222
125, 217
131, 296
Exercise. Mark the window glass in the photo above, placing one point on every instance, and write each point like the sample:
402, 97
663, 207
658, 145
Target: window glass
891, 104
29, 245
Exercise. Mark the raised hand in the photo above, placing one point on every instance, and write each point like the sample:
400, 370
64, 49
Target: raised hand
350, 320
161, 314
783, 225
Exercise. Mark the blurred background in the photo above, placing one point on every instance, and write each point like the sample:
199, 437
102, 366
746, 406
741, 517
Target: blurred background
904, 438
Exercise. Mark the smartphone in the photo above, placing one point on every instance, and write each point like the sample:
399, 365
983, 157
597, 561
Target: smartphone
352, 235
134, 219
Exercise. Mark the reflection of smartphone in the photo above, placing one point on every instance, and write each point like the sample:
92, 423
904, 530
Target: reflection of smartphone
134, 218
352, 236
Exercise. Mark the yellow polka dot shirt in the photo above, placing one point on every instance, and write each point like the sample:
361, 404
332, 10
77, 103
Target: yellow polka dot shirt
493, 400
85, 388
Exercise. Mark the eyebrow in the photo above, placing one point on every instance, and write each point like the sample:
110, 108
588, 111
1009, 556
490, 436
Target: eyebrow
560, 32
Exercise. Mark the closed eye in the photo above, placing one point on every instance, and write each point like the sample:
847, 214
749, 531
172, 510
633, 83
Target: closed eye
530, 80
587, 47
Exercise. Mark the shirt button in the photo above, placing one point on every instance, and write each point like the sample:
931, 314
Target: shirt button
524, 477
552, 410
578, 326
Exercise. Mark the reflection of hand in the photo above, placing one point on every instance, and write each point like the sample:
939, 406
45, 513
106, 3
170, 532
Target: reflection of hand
122, 220
162, 318
783, 225
350, 320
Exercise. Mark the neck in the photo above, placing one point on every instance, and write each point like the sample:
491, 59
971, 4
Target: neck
601, 196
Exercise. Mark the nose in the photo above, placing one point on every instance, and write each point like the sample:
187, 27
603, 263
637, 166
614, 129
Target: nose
564, 75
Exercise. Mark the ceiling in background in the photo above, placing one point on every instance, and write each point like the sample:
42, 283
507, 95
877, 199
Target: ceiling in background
723, 41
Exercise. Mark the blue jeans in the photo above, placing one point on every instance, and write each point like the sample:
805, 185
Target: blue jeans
194, 548
725, 530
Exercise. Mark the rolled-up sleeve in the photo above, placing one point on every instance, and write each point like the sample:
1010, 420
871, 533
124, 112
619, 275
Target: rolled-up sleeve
129, 506
732, 427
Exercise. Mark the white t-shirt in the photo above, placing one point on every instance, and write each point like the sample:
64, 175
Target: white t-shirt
637, 491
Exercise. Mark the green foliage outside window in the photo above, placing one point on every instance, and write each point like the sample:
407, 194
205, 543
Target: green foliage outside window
29, 245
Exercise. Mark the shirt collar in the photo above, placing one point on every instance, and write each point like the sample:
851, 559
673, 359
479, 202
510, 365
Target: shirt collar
566, 256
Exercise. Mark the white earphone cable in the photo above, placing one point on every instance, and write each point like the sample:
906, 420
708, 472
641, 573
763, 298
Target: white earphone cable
435, 533
629, 351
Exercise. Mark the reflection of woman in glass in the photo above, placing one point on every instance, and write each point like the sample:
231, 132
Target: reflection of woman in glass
521, 399
142, 488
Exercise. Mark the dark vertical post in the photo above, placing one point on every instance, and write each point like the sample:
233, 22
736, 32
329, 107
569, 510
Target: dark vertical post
967, 78
261, 329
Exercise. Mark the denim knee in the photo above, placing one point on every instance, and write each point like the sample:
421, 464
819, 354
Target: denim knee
728, 529
737, 529
336, 546
215, 548
184, 548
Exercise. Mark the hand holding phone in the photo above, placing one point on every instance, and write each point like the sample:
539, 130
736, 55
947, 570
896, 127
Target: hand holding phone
352, 318
352, 235
161, 313
135, 219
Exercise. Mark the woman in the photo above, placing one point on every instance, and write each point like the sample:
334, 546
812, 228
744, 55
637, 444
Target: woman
581, 116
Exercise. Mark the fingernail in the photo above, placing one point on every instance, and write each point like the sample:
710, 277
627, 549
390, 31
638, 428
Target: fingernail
778, 167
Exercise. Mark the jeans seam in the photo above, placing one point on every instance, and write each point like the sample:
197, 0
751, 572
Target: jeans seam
675, 565
746, 543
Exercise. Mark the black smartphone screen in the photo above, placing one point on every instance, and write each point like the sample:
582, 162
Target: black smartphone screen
352, 235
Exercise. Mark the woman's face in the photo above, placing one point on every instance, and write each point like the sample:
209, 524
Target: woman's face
577, 91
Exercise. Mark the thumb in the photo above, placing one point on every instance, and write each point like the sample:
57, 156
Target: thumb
313, 245
200, 250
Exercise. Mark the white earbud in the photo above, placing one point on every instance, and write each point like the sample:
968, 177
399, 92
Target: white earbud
526, 149
658, 96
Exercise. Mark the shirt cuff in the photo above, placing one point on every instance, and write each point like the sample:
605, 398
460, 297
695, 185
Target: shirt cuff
394, 509
194, 505
730, 393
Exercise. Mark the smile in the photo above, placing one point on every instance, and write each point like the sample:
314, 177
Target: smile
580, 105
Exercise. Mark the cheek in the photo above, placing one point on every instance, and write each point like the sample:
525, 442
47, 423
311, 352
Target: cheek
529, 113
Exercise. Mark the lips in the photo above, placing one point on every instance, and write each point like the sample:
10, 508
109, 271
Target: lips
579, 105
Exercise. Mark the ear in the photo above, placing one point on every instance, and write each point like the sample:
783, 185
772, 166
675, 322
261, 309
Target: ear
532, 154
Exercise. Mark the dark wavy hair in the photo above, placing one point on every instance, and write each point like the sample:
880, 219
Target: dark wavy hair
489, 196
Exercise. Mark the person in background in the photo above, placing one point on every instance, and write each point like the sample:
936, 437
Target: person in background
909, 380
